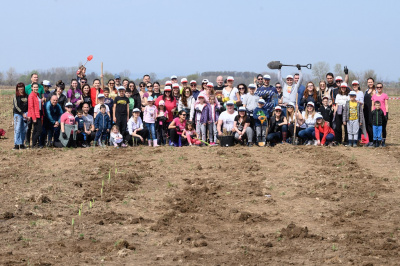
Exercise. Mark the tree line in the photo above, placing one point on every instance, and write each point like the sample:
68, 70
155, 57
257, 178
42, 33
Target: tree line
319, 70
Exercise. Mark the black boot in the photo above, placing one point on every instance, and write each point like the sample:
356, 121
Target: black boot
377, 142
383, 143
16, 147
22, 147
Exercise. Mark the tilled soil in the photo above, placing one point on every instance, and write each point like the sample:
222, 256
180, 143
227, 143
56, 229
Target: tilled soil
200, 206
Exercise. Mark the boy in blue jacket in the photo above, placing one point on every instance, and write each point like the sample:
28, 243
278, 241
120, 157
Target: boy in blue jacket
261, 116
102, 124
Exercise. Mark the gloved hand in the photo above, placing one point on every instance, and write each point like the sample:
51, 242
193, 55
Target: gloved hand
298, 66
387, 116
280, 66
346, 70
64, 135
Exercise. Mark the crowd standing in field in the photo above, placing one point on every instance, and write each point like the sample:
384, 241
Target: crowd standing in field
188, 114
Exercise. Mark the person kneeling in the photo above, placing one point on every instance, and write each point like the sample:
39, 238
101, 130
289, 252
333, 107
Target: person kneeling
137, 133
68, 128
277, 127
241, 127
323, 132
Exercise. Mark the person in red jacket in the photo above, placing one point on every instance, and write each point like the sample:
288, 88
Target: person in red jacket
323, 132
95, 90
35, 113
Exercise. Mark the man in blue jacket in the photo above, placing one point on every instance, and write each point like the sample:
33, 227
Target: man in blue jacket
53, 112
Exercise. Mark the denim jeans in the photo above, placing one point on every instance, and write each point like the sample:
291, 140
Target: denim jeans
152, 130
308, 133
329, 138
377, 132
20, 128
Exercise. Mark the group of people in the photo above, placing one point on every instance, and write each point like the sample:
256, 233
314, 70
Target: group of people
183, 114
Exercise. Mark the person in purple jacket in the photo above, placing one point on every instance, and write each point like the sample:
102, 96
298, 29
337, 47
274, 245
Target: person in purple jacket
213, 111
201, 117
74, 95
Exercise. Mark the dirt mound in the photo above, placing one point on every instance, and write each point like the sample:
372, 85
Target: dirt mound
294, 231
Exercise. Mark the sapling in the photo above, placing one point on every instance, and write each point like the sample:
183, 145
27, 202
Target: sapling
80, 212
101, 192
72, 225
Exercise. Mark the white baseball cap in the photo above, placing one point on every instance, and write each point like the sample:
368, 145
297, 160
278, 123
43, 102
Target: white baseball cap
355, 82
184, 80
230, 78
46, 83
174, 77
338, 78
267, 77
289, 77
252, 86
193, 81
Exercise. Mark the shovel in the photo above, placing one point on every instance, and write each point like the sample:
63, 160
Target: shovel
276, 64
262, 120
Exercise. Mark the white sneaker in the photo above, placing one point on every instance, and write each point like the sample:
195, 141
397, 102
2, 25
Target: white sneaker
308, 142
315, 143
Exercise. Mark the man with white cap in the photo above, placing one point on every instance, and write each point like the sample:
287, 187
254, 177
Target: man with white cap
226, 118
174, 79
268, 93
289, 88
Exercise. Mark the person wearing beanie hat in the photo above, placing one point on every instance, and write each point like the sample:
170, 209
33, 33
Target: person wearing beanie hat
342, 97
353, 118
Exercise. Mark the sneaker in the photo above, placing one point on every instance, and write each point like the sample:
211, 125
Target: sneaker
115, 144
22, 147
307, 143
16, 147
315, 142
250, 144
123, 145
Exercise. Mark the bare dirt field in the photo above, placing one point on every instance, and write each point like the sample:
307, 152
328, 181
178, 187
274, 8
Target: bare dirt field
200, 206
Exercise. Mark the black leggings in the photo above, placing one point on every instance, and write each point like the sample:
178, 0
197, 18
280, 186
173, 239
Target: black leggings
136, 140
121, 122
37, 130
175, 138
338, 129
368, 123
384, 124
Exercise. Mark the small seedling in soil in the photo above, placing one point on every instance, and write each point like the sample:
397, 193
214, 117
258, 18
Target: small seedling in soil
79, 212
101, 192
334, 248
72, 223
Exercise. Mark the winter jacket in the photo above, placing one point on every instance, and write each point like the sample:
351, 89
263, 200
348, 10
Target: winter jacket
53, 113
260, 112
33, 106
62, 100
273, 125
309, 98
378, 117
20, 104
137, 98
205, 114
102, 121
209, 111
360, 115
324, 130
326, 113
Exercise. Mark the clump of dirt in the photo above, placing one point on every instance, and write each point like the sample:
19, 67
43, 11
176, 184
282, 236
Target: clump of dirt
43, 199
124, 244
294, 231
8, 215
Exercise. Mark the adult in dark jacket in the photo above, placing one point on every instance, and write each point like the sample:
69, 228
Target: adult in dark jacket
309, 95
277, 130
62, 99
367, 110
135, 95
52, 123
20, 109
326, 111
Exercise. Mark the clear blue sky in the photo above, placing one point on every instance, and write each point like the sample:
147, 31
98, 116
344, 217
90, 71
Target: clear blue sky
182, 36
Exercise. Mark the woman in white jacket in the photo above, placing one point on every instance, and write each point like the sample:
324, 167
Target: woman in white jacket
186, 102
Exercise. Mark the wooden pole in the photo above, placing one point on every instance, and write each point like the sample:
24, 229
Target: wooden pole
295, 118
102, 78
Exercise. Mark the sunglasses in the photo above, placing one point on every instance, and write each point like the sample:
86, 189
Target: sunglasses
183, 114
290, 107
340, 81
279, 87
260, 79
241, 88
278, 111
142, 86
379, 87
111, 83
83, 81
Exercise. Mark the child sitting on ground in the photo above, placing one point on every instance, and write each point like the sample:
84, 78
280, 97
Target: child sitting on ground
191, 135
116, 138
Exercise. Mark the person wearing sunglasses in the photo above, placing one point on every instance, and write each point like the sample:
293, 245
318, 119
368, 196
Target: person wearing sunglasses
143, 95
258, 81
369, 93
277, 129
268, 93
383, 98
176, 128
113, 89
